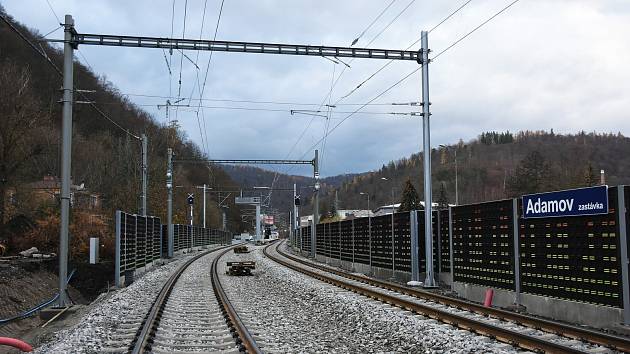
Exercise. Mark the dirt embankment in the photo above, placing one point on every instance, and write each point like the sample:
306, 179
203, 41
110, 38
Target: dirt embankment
25, 284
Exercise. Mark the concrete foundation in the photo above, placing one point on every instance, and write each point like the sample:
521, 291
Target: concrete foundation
556, 309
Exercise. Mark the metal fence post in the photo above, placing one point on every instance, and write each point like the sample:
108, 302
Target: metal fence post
623, 244
339, 230
439, 242
353, 244
118, 249
313, 239
413, 229
451, 246
517, 255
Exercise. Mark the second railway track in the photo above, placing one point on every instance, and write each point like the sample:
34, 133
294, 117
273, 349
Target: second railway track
520, 330
193, 314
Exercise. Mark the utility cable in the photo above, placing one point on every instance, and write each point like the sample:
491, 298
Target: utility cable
287, 103
475, 29
372, 23
358, 109
53, 11
371, 76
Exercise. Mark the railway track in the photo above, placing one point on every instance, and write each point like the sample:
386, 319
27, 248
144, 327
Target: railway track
523, 331
193, 314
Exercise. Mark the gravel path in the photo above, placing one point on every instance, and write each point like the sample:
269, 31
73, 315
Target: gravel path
287, 311
107, 326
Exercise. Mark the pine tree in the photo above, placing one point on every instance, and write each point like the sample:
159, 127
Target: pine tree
589, 176
531, 176
410, 199
442, 198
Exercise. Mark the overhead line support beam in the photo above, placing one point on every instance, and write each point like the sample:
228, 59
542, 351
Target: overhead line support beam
244, 47
253, 162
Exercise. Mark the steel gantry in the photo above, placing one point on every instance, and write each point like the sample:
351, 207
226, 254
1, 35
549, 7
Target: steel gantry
72, 39
169, 176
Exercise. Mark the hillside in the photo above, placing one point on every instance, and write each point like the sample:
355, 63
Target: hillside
105, 159
492, 167
249, 176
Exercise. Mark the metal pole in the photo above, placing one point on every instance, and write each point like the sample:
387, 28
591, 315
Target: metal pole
393, 248
316, 176
62, 301
353, 245
370, 232
169, 202
339, 231
296, 220
204, 207
623, 243
413, 228
258, 221
313, 240
517, 256
145, 175
456, 187
451, 247
224, 219
429, 282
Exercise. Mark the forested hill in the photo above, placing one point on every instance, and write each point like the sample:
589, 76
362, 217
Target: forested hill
105, 158
499, 165
249, 176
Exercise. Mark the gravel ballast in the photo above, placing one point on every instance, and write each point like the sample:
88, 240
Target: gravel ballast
287, 311
107, 327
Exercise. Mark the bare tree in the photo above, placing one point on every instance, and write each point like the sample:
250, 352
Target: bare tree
21, 122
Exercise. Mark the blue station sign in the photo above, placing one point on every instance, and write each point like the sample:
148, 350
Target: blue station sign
571, 202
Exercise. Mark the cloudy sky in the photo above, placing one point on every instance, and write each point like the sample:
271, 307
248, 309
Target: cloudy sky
542, 64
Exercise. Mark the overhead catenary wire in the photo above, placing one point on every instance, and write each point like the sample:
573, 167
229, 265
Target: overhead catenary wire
417, 69
475, 29
336, 81
371, 76
372, 23
270, 102
202, 89
358, 109
53, 12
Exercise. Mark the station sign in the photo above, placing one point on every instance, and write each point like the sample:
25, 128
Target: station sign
571, 202
268, 219
247, 200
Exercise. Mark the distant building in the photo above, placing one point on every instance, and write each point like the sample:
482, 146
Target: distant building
48, 190
386, 209
353, 213
304, 220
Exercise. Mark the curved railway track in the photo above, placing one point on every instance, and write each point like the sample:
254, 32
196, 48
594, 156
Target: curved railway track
516, 329
193, 314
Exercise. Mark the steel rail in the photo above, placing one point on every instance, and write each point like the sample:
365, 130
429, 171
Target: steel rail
247, 340
574, 332
143, 341
501, 334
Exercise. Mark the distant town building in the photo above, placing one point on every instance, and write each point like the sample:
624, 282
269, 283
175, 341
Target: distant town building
48, 190
386, 209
